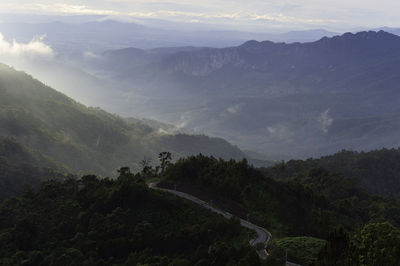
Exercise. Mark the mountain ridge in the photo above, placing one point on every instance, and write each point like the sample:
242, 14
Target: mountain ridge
286, 95
86, 139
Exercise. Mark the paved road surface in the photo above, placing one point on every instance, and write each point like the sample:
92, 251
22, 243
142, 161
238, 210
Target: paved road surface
292, 264
263, 236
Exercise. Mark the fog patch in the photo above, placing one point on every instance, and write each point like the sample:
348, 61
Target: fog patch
272, 130
325, 121
280, 131
233, 109
90, 55
162, 131
35, 48
183, 122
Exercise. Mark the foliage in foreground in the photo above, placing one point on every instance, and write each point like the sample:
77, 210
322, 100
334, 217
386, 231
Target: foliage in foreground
301, 249
377, 171
313, 206
288, 208
375, 244
115, 222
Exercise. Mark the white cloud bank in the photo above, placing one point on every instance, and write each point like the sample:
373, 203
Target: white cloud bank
35, 48
271, 13
184, 15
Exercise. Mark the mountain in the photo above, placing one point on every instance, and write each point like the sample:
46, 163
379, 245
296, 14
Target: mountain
391, 30
81, 139
377, 171
21, 166
301, 36
73, 36
290, 100
330, 58
115, 61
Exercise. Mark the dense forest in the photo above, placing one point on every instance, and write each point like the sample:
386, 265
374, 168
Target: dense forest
377, 171
20, 167
94, 221
325, 220
313, 208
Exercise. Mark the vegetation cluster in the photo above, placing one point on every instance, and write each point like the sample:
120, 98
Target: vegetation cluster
95, 221
321, 206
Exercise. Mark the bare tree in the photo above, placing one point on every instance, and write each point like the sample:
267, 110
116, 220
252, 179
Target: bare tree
165, 159
145, 164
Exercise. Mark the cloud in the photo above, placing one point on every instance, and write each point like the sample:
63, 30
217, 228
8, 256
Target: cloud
168, 10
280, 132
254, 13
234, 109
325, 121
35, 48
288, 19
74, 9
90, 55
183, 122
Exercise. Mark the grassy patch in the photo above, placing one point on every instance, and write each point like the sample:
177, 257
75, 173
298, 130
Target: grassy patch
304, 249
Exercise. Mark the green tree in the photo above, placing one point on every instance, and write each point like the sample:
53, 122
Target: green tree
165, 160
338, 250
379, 244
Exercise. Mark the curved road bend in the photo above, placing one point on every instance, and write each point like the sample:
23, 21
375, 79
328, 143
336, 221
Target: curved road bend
263, 236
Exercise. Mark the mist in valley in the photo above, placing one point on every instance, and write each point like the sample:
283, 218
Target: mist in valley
214, 82
199, 132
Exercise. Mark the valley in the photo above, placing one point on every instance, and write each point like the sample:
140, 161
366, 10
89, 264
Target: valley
274, 98
137, 134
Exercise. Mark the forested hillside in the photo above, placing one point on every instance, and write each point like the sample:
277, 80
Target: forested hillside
20, 167
116, 222
83, 139
311, 208
199, 133
377, 171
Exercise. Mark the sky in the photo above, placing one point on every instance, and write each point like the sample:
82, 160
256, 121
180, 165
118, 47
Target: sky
239, 14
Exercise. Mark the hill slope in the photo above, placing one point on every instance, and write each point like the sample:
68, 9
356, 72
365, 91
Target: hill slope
83, 139
20, 166
313, 206
116, 222
378, 171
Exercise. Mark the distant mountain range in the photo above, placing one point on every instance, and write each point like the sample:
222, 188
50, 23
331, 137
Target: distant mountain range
390, 30
299, 99
74, 39
73, 36
278, 99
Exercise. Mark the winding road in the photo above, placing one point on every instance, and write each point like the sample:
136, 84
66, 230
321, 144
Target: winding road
263, 236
